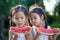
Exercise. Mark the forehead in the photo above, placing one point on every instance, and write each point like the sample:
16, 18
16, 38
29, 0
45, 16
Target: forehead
34, 14
18, 14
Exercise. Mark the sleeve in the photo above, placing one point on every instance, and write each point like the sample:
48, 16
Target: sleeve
49, 27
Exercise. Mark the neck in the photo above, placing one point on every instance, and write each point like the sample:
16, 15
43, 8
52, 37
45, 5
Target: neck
19, 26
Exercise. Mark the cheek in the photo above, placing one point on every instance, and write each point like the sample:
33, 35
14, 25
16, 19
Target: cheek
13, 20
39, 21
16, 21
24, 21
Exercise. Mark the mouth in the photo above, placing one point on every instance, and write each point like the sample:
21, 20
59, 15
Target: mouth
34, 22
19, 23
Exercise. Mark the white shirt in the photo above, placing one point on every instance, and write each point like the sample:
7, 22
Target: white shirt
21, 37
42, 36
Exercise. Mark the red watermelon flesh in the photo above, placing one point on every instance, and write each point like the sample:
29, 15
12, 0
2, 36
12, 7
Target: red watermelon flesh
55, 29
20, 30
47, 31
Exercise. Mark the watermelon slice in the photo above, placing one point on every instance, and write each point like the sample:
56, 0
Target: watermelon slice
20, 30
47, 31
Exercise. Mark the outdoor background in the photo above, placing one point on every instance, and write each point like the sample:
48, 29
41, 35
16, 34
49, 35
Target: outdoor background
51, 7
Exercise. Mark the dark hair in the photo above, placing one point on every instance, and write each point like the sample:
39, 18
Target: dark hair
40, 12
17, 9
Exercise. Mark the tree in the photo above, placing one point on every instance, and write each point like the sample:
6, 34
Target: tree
57, 10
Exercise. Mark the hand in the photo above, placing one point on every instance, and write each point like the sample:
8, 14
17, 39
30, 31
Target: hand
37, 36
12, 32
12, 35
57, 32
29, 35
37, 32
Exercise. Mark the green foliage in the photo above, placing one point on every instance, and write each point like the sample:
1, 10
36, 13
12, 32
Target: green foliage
57, 10
5, 5
55, 25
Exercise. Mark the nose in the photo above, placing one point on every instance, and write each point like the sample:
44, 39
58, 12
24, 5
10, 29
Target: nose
19, 20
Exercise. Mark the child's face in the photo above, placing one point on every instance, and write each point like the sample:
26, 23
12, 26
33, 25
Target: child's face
19, 19
35, 19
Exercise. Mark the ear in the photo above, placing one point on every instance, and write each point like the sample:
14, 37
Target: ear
13, 19
42, 17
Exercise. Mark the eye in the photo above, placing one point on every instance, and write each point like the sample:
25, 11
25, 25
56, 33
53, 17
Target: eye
16, 18
34, 17
22, 18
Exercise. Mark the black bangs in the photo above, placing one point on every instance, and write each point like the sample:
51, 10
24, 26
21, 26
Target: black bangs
38, 11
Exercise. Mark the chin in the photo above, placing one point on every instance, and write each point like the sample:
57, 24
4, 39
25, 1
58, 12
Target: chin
37, 25
20, 26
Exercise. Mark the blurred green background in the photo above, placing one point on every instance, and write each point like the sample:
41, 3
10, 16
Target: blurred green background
51, 7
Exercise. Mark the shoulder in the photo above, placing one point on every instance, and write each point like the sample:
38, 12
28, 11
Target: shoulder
48, 27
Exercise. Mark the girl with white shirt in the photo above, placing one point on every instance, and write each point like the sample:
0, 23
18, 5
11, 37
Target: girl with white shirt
19, 17
38, 19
